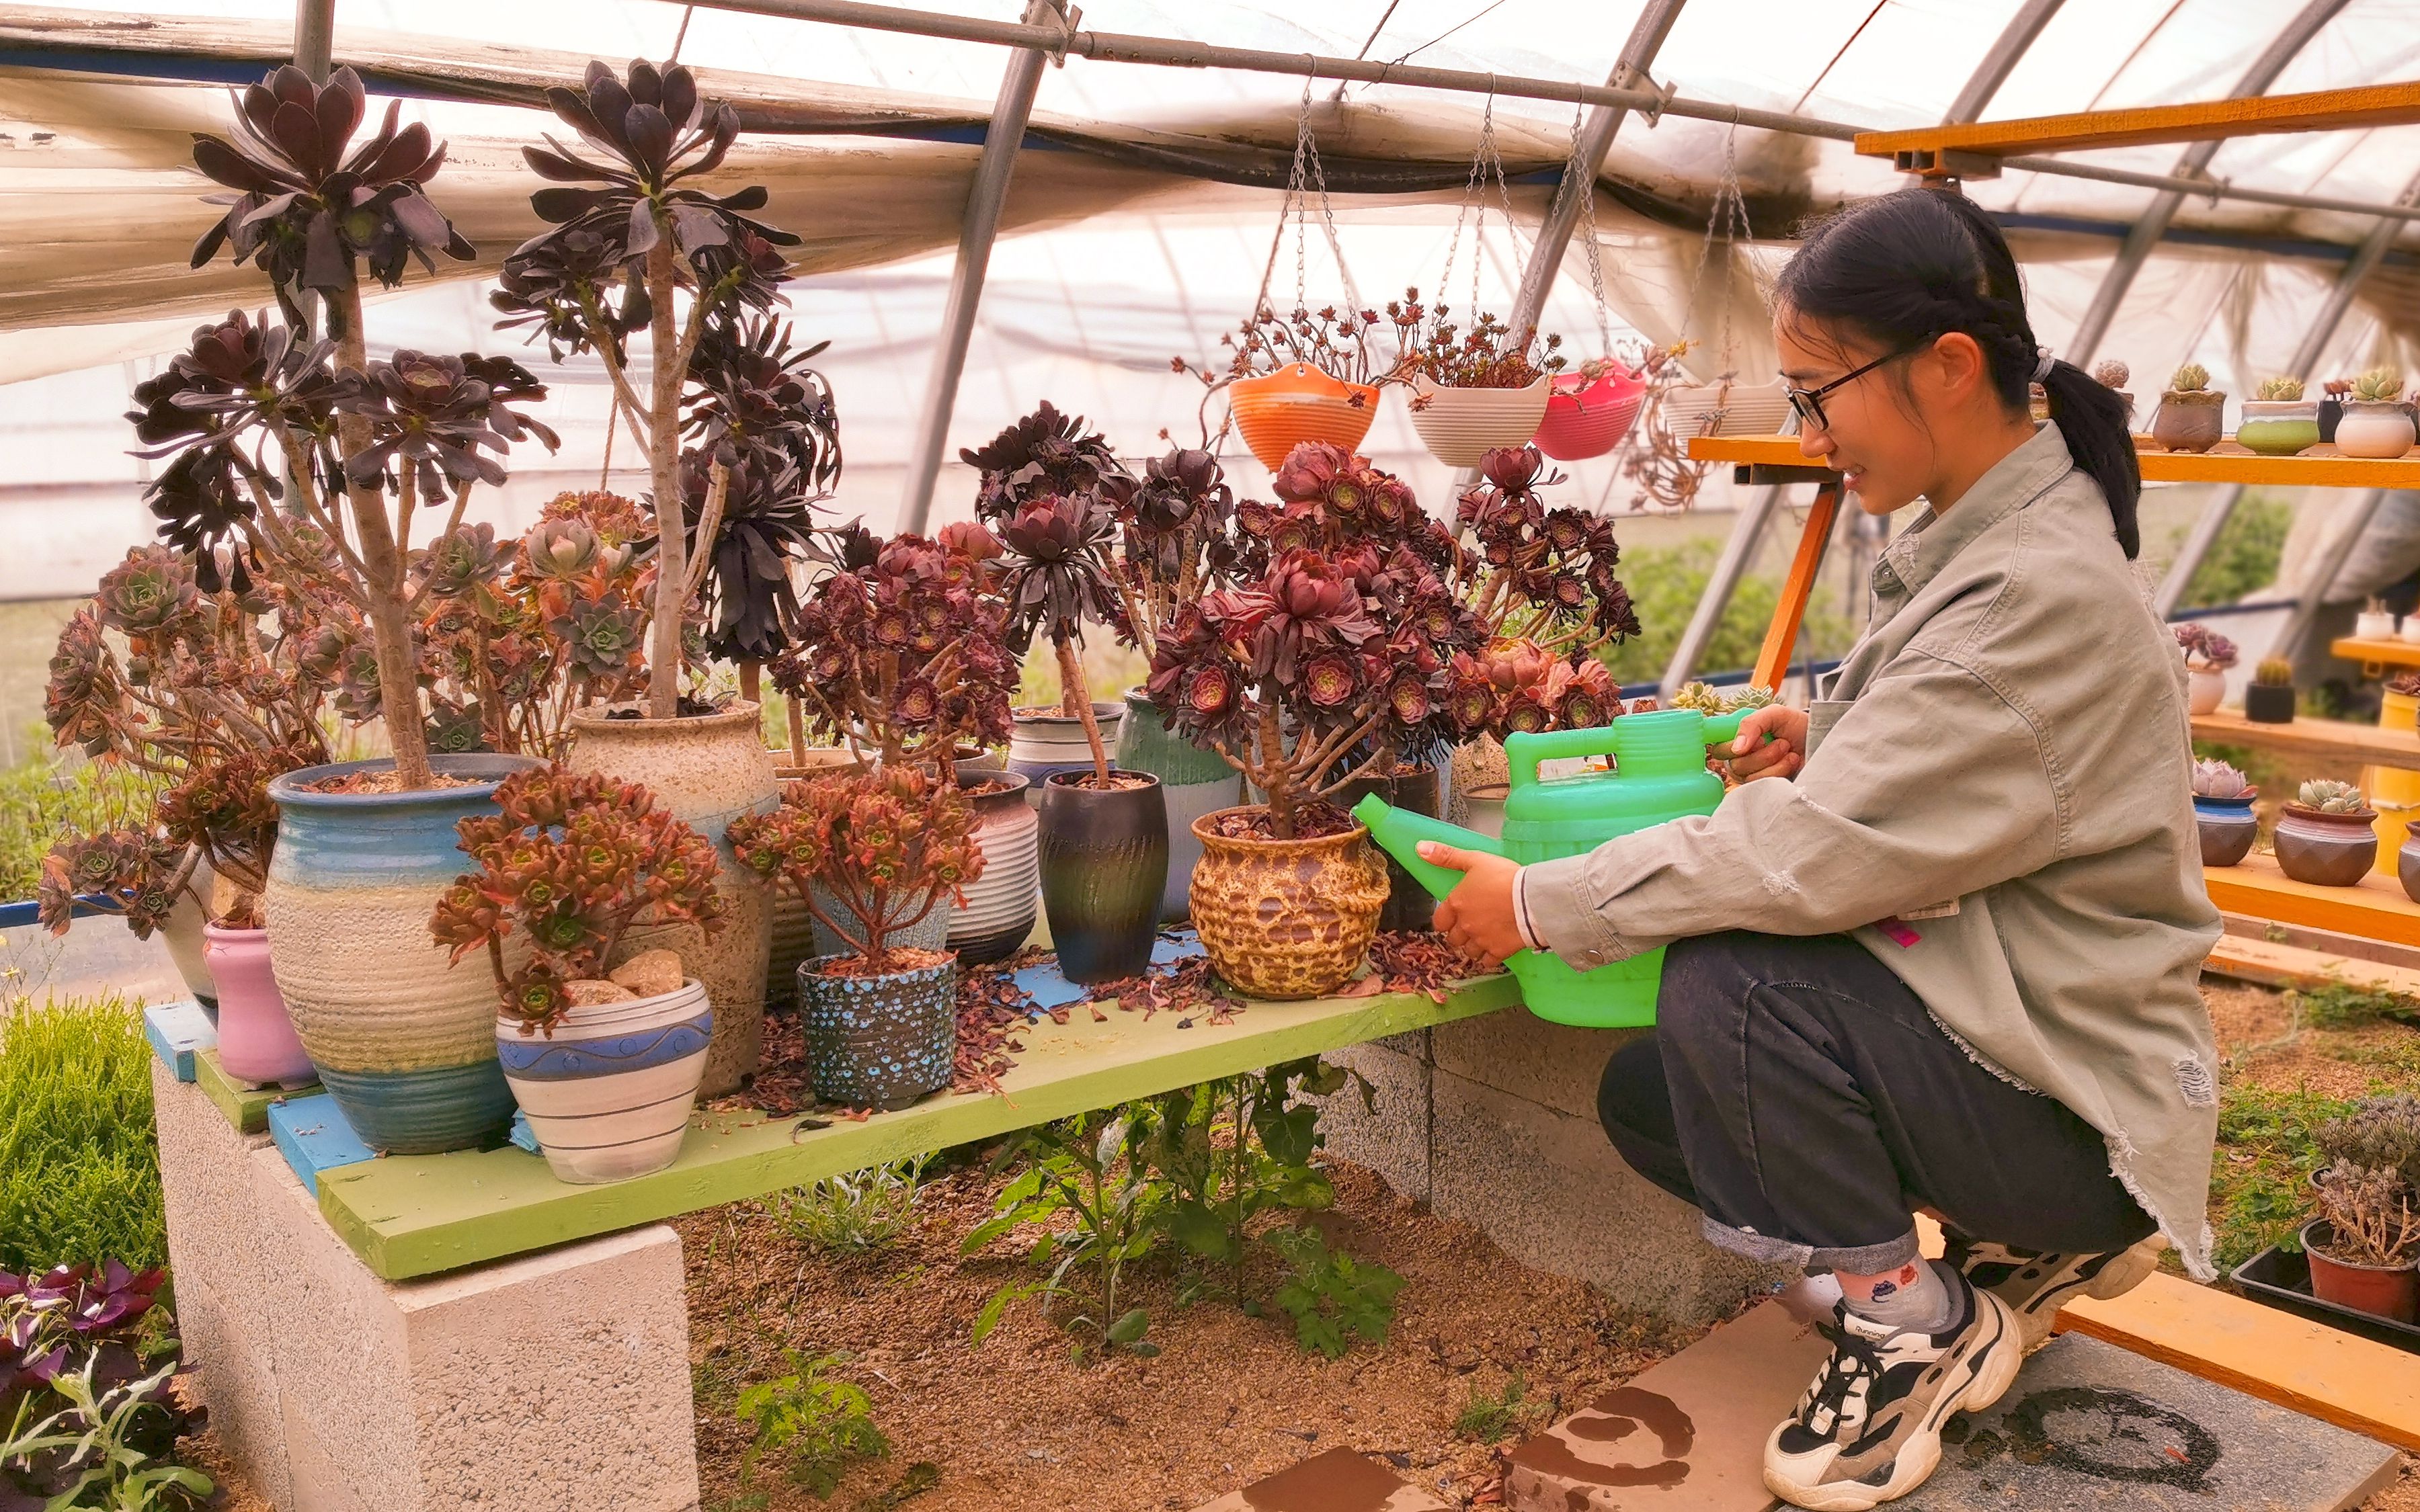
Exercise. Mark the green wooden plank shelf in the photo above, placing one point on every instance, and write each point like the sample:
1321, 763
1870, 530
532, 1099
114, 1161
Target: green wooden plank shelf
421, 1215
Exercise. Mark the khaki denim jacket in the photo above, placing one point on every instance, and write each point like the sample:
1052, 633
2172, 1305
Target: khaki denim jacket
2000, 770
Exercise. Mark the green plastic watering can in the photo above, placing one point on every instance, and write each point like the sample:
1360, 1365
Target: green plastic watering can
1661, 775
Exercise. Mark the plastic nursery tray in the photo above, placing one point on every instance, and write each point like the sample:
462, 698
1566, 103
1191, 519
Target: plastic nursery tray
2282, 1278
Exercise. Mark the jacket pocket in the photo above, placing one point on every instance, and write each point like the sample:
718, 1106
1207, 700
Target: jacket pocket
1821, 715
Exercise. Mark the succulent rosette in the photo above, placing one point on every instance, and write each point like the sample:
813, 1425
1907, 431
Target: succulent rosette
871, 854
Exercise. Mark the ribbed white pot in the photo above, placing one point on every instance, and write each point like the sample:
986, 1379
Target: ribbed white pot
1000, 903
607, 1093
1043, 743
1747, 409
2373, 430
1459, 427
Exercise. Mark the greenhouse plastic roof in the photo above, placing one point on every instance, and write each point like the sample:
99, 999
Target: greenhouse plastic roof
1135, 230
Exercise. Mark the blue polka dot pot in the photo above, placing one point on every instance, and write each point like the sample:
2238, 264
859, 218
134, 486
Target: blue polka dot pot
878, 1042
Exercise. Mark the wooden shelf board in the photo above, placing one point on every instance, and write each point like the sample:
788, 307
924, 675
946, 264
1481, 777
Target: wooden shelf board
2271, 964
247, 1106
2326, 110
411, 1215
2326, 739
2376, 653
2374, 908
2322, 468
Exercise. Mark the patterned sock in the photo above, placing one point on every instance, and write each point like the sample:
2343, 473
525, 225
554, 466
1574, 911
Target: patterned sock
1917, 1295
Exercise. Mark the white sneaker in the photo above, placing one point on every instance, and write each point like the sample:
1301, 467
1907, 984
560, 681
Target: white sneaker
2037, 1283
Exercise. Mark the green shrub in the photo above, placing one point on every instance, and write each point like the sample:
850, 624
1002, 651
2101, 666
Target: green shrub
1665, 583
79, 1162
40, 802
2244, 558
2268, 1146
819, 1426
866, 1210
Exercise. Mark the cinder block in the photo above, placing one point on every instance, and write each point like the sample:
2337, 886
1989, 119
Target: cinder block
1394, 1140
1518, 1052
238, 1375
1549, 1189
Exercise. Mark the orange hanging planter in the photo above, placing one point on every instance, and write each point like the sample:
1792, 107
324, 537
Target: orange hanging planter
1588, 417
1279, 411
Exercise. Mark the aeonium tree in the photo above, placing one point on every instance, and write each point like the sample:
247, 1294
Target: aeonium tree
271, 429
884, 848
572, 863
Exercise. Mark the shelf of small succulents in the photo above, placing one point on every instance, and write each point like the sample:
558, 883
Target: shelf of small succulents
2270, 716
2334, 863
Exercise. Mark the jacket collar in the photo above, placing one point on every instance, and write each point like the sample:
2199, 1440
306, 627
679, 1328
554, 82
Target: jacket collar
2015, 481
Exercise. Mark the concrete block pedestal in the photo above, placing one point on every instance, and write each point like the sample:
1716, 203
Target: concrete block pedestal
557, 1379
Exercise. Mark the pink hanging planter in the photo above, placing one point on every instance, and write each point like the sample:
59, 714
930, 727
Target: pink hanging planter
1588, 417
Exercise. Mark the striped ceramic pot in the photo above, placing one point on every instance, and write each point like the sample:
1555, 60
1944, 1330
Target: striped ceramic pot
1192, 783
1042, 743
1277, 411
708, 769
607, 1090
1001, 903
403, 1040
1459, 427
878, 1042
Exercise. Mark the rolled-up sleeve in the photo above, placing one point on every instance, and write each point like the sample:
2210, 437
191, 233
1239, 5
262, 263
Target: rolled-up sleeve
1929, 786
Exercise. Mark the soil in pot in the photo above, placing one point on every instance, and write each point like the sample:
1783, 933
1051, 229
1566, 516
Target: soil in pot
2325, 850
1286, 919
2382, 1292
879, 1038
1104, 860
607, 1090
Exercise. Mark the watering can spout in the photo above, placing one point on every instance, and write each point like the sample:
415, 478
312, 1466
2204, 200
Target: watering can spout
1399, 832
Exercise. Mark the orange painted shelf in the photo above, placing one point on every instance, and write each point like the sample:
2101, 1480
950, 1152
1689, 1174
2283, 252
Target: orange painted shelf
2373, 908
2225, 463
2376, 653
2326, 110
2327, 739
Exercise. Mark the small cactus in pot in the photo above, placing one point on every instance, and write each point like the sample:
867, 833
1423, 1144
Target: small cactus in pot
2270, 699
2191, 414
2375, 424
2223, 812
2324, 838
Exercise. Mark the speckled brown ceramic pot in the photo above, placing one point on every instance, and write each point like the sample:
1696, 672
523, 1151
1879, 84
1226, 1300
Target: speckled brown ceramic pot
2326, 850
1286, 917
708, 769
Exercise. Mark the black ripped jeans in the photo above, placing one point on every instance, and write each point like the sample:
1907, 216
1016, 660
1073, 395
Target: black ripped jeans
1801, 1096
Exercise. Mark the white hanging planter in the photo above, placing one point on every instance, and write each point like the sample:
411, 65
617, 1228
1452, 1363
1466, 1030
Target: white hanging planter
1459, 427
1747, 409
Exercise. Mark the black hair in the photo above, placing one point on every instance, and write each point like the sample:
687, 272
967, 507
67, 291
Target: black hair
1913, 266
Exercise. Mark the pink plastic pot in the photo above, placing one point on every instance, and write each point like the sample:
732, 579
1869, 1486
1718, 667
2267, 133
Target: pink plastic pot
1588, 417
257, 1041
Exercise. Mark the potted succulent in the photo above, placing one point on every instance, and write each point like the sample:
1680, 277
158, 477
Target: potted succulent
304, 460
2192, 414
2375, 422
1470, 390
210, 699
2364, 1245
2223, 812
1307, 376
2324, 836
2207, 658
1591, 408
2373, 622
604, 1067
2280, 423
2268, 699
2112, 375
872, 854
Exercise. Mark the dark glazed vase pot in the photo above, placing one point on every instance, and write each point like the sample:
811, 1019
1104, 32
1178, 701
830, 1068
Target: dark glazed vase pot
1408, 903
2326, 850
2227, 828
1104, 865
878, 1042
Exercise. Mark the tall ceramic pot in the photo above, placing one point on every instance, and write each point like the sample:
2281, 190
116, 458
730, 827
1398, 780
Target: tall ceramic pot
1042, 743
792, 929
2226, 827
878, 1042
607, 1090
1408, 903
708, 770
404, 1041
1459, 427
1001, 903
1588, 417
2325, 850
1286, 917
1194, 783
1103, 867
2374, 429
2192, 420
1277, 411
256, 1039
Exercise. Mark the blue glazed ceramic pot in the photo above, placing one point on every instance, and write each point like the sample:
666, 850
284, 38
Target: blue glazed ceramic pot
2227, 828
405, 1043
607, 1090
879, 1042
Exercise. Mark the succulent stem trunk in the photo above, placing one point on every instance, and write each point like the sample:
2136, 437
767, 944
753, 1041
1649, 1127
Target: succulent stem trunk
663, 463
383, 556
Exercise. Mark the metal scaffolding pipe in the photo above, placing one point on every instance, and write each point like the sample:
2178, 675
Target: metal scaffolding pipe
2323, 572
1003, 139
2015, 39
315, 37
1748, 533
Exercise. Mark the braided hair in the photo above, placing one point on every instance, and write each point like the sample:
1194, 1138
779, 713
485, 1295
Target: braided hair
1910, 267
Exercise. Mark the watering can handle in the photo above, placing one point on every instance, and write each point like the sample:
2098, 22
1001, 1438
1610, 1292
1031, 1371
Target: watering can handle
1523, 751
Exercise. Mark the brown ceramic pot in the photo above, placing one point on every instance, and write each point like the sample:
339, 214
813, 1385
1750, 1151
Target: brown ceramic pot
1286, 917
2326, 850
2190, 422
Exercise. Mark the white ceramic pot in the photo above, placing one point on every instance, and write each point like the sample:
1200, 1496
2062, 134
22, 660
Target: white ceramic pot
181, 932
1042, 743
2368, 626
1000, 904
2373, 430
1459, 427
1747, 409
2410, 630
2204, 687
607, 1093
1482, 809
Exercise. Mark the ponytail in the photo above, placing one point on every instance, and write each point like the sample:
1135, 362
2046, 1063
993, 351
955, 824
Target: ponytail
1913, 266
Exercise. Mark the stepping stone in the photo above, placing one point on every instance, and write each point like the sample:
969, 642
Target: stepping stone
1687, 1434
1337, 1481
2089, 1426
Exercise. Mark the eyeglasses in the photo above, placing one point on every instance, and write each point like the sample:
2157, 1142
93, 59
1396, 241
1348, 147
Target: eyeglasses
1808, 403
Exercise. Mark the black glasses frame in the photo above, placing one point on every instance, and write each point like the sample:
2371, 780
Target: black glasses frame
1808, 403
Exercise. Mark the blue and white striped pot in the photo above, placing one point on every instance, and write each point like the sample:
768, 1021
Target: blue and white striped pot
608, 1091
1044, 742
879, 1042
402, 1039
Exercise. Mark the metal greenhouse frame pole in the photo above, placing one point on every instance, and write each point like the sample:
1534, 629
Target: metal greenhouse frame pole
2153, 222
1003, 138
315, 37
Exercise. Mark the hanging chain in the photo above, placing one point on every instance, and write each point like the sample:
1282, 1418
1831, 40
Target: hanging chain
1305, 176
1728, 217
1462, 214
1586, 184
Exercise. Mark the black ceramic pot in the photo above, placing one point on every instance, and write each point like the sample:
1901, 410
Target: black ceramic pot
2266, 703
1104, 862
2331, 410
1408, 903
879, 1042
